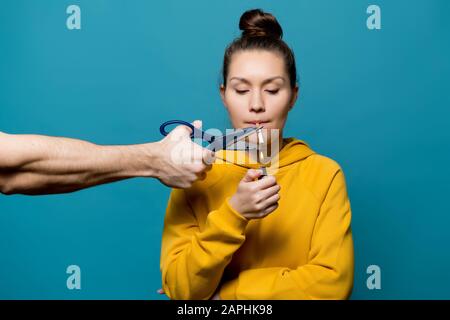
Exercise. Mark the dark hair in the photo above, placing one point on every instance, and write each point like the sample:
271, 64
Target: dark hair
260, 31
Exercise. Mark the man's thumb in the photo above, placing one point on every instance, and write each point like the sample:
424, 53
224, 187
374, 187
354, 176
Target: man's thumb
185, 131
251, 175
197, 124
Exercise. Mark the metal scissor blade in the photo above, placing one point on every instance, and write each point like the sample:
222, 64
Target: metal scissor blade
238, 135
242, 147
227, 141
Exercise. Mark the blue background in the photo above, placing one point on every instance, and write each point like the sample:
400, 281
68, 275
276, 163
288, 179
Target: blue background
375, 101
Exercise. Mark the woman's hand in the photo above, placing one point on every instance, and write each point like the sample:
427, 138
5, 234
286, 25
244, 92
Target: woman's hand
256, 199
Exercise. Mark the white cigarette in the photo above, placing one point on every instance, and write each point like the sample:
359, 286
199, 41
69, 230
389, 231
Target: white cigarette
260, 139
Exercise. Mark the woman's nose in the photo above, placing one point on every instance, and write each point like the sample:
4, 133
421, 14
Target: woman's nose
256, 103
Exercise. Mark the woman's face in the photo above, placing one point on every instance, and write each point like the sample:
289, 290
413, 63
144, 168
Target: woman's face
258, 91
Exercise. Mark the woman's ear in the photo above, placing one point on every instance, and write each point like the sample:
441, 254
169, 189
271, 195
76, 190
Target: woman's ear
294, 97
222, 94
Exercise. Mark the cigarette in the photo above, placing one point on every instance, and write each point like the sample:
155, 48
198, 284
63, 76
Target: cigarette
260, 136
260, 140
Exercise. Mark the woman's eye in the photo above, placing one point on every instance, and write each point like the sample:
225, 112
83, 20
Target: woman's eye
241, 91
275, 91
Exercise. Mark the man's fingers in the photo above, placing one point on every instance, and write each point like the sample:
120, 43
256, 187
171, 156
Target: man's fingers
208, 156
202, 176
180, 131
185, 131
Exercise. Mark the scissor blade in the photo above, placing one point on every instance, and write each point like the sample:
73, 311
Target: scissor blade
243, 147
226, 141
238, 135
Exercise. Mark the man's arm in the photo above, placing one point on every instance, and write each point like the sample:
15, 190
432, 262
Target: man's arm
34, 164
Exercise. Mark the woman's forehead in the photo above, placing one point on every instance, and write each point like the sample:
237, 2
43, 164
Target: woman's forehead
256, 65
266, 80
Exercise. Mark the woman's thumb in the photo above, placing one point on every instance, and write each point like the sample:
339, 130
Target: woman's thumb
251, 175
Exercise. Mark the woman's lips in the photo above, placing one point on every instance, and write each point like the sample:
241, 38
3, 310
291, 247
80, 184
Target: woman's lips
261, 123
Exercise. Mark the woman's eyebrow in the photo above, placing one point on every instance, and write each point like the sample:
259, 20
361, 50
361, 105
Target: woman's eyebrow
264, 82
273, 78
239, 79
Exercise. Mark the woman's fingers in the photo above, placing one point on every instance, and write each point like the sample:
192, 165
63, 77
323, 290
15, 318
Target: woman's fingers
268, 205
251, 175
267, 193
269, 209
253, 197
263, 213
266, 182
271, 200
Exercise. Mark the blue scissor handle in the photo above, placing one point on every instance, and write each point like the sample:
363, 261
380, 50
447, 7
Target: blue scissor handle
196, 133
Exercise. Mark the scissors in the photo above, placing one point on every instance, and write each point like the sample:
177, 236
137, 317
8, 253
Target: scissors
216, 143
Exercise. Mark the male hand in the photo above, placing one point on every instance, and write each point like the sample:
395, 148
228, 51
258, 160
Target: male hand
181, 162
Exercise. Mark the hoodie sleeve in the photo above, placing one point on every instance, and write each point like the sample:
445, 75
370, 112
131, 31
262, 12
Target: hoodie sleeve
329, 271
193, 260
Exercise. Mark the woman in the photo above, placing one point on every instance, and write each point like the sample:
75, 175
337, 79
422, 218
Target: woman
285, 236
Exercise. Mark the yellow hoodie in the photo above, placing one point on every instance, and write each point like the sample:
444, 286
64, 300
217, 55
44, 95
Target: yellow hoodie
302, 250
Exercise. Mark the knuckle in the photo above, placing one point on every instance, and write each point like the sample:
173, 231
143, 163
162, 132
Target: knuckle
186, 185
258, 206
272, 208
262, 215
212, 155
257, 196
199, 167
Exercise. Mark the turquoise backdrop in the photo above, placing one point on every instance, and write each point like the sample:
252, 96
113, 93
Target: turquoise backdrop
376, 101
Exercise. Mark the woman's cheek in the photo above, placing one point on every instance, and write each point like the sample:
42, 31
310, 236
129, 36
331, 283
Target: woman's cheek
237, 116
237, 109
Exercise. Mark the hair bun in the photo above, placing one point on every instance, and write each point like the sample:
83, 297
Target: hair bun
257, 23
